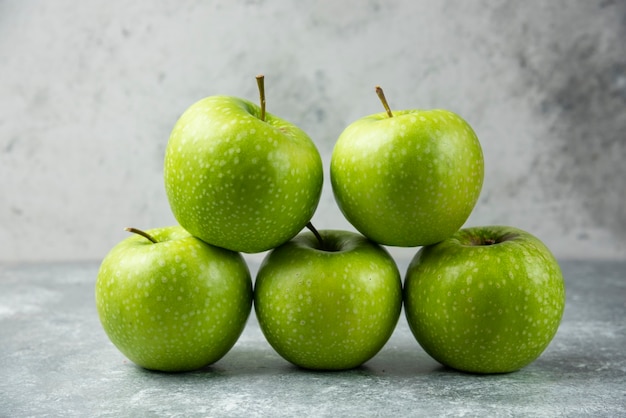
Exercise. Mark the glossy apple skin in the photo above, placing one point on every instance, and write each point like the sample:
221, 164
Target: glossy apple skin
328, 310
238, 182
481, 307
174, 306
409, 180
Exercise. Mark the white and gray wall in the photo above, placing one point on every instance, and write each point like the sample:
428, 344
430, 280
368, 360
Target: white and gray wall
89, 92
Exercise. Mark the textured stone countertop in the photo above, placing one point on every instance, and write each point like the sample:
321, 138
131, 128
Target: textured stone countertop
55, 360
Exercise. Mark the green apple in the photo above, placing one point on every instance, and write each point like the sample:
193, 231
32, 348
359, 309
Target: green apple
485, 300
328, 303
240, 178
171, 302
407, 178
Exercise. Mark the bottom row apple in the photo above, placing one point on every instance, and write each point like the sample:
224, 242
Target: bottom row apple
328, 302
170, 302
485, 300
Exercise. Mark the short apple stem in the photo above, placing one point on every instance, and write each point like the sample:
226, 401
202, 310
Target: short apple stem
317, 235
260, 81
381, 96
142, 233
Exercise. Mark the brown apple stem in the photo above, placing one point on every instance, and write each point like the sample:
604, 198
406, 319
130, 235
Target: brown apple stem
142, 233
381, 96
260, 81
317, 235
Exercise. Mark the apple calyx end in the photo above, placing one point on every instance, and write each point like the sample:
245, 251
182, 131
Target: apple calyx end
142, 233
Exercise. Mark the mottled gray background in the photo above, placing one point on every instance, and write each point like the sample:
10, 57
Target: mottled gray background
89, 92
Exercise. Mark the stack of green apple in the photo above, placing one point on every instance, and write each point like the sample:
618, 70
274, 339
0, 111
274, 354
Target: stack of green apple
241, 180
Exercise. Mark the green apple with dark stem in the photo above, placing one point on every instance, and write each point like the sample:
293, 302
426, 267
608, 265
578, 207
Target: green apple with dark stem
328, 303
240, 178
485, 300
407, 178
171, 302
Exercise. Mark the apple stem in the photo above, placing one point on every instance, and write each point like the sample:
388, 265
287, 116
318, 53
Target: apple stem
317, 235
381, 96
142, 233
260, 81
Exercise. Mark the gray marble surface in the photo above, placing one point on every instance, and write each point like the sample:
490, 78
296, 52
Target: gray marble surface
55, 360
